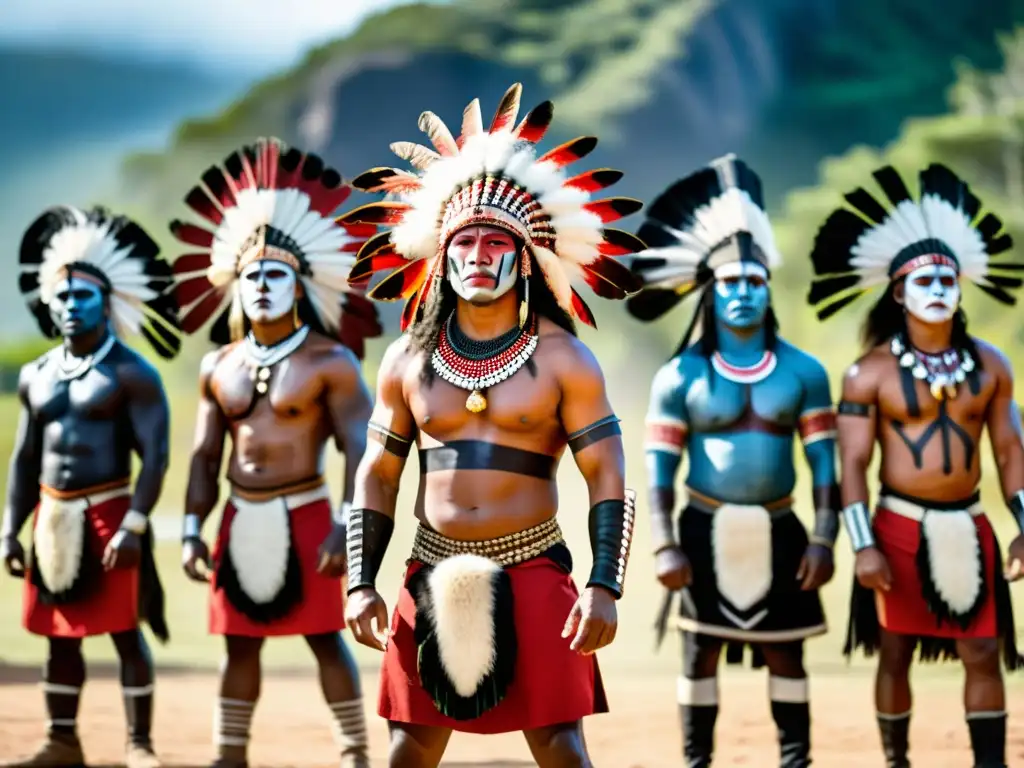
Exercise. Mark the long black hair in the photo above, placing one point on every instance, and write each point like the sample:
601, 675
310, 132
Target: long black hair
425, 334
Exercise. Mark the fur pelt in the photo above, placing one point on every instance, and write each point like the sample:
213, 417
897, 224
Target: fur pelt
741, 537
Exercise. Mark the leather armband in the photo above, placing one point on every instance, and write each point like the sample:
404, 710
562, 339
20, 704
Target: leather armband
366, 541
846, 408
826, 515
858, 526
392, 441
593, 433
1016, 505
611, 534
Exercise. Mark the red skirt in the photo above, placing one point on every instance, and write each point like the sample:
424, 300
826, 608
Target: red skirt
320, 609
111, 603
903, 609
552, 683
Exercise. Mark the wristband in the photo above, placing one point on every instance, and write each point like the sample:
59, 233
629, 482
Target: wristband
826, 521
366, 541
340, 515
663, 534
190, 527
858, 526
134, 522
1016, 505
611, 534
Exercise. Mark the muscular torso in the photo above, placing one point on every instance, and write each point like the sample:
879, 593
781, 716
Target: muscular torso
522, 412
85, 430
933, 454
278, 438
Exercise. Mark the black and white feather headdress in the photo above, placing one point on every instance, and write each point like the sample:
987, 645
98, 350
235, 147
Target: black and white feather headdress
871, 245
704, 225
116, 254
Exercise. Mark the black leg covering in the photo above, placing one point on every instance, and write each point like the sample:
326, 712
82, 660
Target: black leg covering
698, 734
895, 731
794, 723
988, 738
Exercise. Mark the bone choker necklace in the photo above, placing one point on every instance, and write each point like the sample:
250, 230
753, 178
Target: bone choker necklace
942, 371
261, 359
744, 374
71, 367
477, 365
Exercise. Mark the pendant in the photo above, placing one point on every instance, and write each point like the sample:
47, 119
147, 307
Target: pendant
476, 402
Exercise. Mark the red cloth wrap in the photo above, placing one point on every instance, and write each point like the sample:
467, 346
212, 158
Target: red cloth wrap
552, 683
321, 609
903, 609
113, 603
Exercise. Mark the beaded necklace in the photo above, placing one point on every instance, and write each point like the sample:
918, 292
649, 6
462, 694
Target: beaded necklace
942, 371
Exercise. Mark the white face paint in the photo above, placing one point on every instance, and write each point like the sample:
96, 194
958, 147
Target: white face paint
482, 263
932, 293
267, 290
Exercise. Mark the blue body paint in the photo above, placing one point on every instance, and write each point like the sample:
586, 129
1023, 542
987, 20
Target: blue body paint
77, 307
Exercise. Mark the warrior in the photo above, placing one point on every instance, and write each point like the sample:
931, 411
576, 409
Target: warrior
91, 279
928, 572
490, 634
733, 398
273, 268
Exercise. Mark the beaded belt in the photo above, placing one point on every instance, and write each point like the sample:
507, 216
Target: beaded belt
430, 547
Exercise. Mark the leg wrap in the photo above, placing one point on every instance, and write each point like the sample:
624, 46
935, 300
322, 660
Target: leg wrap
138, 711
231, 725
349, 726
895, 731
62, 707
698, 711
988, 738
791, 711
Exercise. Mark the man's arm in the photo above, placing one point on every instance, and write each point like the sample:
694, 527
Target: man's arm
596, 443
26, 462
149, 417
390, 434
666, 431
858, 414
817, 426
349, 406
1004, 431
207, 453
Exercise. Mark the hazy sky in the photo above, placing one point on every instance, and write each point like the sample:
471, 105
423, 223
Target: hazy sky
252, 34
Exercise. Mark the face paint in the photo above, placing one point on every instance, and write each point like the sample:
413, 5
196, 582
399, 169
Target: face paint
78, 306
932, 293
267, 290
482, 263
741, 295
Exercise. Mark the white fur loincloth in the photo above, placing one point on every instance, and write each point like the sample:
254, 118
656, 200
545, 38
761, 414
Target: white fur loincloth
58, 539
955, 556
741, 539
461, 592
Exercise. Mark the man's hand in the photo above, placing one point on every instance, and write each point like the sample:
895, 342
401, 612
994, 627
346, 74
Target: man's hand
872, 570
1015, 562
13, 556
363, 608
332, 553
594, 619
672, 568
195, 559
124, 550
816, 567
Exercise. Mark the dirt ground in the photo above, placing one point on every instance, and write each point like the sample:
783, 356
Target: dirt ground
291, 729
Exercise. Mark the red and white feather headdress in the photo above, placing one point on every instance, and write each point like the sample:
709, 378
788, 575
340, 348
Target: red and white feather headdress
494, 177
269, 201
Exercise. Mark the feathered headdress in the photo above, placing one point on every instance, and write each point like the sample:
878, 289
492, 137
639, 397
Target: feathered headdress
857, 249
495, 177
115, 253
269, 201
702, 226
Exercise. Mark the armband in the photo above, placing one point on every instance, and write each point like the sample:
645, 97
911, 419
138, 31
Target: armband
1016, 505
817, 424
611, 526
190, 527
134, 522
826, 517
846, 408
858, 526
665, 435
392, 442
366, 541
599, 430
340, 515
663, 534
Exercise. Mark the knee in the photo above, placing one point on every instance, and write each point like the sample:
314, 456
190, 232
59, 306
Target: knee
327, 649
700, 657
243, 650
894, 656
981, 656
560, 748
412, 751
130, 645
785, 660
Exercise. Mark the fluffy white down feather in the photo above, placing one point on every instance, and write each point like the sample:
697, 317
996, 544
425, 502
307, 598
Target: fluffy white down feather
741, 538
462, 591
955, 557
59, 536
259, 544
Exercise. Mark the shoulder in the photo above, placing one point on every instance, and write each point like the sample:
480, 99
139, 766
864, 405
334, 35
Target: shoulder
400, 359
331, 356
568, 356
992, 358
674, 374
30, 371
134, 371
861, 379
803, 364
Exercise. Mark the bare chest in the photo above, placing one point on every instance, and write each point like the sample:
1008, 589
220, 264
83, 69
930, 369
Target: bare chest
716, 404
95, 396
907, 401
289, 389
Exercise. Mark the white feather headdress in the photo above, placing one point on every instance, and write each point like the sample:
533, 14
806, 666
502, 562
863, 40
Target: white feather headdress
495, 177
111, 251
